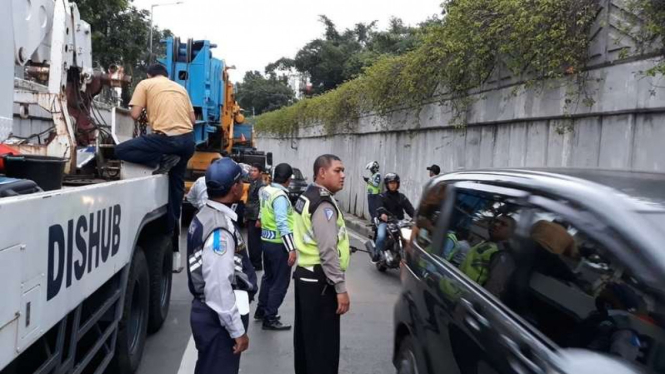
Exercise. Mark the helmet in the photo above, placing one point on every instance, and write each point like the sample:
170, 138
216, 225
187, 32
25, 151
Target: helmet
372, 166
391, 177
221, 176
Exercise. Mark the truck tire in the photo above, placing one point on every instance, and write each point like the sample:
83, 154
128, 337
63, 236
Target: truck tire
160, 264
133, 326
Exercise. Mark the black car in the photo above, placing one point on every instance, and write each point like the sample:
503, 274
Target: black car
297, 186
526, 271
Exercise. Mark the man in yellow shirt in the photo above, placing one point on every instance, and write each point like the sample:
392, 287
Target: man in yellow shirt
171, 143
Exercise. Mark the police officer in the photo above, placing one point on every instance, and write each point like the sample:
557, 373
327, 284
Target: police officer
276, 214
373, 188
252, 216
216, 254
323, 257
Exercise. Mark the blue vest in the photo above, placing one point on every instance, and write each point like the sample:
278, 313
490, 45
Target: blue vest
196, 238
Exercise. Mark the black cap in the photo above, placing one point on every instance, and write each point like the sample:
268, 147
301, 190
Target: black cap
434, 169
282, 173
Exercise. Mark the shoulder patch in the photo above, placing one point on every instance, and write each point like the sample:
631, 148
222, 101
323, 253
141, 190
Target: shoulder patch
300, 205
219, 245
329, 213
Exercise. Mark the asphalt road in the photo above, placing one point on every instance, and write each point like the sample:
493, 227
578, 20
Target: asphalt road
366, 341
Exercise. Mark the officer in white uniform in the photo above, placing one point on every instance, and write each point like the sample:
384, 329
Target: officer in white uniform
215, 253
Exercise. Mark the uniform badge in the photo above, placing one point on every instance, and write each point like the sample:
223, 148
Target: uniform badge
329, 213
219, 245
323, 192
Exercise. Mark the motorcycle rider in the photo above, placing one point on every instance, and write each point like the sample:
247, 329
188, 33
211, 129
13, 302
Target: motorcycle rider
393, 203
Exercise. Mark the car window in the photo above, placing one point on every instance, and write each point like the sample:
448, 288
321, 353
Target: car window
573, 289
480, 238
427, 215
297, 174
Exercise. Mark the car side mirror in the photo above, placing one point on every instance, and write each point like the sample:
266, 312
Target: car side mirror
585, 361
306, 178
269, 158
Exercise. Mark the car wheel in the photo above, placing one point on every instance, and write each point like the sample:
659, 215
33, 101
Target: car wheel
406, 358
381, 267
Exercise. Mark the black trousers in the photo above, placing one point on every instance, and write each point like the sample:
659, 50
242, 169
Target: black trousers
254, 244
275, 280
373, 200
213, 342
149, 150
316, 338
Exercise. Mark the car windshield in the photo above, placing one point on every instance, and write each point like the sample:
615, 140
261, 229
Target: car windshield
297, 174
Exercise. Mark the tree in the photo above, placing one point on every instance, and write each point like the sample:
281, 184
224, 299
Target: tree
120, 35
262, 94
340, 56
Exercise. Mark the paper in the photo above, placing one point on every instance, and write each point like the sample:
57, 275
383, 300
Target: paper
242, 301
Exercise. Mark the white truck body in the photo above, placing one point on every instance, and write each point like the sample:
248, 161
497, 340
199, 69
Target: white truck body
80, 266
50, 263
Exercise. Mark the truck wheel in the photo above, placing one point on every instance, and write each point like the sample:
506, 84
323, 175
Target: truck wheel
160, 264
133, 326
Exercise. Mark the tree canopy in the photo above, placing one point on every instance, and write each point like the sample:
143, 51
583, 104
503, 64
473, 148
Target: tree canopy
260, 94
120, 35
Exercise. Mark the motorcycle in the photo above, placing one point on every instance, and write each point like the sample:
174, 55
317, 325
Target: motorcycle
398, 233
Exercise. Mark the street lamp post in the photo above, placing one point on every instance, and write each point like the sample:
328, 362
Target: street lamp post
152, 9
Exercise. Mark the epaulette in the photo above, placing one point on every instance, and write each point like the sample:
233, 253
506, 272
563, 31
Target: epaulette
323, 192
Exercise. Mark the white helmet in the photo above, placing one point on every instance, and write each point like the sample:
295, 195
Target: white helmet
372, 166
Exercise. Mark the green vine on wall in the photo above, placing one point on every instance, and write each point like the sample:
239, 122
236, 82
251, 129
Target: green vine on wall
535, 40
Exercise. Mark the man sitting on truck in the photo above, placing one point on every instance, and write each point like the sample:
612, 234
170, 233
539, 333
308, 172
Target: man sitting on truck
171, 143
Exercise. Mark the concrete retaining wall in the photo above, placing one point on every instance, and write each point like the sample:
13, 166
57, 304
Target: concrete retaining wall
508, 126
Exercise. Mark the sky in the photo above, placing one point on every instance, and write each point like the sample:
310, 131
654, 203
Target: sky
253, 33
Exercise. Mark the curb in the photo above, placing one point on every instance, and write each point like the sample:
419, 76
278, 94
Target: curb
358, 225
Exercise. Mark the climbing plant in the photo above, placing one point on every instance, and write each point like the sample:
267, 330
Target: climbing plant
651, 33
535, 40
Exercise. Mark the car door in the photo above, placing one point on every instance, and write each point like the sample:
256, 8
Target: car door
456, 335
419, 277
571, 306
584, 294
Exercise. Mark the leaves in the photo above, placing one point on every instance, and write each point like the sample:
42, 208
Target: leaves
261, 94
535, 40
120, 35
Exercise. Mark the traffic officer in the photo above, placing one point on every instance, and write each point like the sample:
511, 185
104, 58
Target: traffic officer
276, 215
323, 257
215, 255
373, 188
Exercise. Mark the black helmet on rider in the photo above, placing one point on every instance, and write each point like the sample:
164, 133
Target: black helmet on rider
391, 177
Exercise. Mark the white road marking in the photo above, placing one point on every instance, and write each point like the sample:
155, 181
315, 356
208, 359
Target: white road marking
357, 236
188, 361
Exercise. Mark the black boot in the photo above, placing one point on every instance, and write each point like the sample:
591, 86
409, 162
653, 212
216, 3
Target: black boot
259, 314
168, 161
275, 325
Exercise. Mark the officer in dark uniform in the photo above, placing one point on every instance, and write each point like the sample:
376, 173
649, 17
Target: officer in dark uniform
322, 243
219, 278
278, 247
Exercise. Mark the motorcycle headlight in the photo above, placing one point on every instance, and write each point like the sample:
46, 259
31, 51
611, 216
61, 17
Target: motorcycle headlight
406, 233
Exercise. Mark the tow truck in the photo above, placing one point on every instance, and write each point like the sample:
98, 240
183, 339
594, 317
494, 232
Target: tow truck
84, 255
